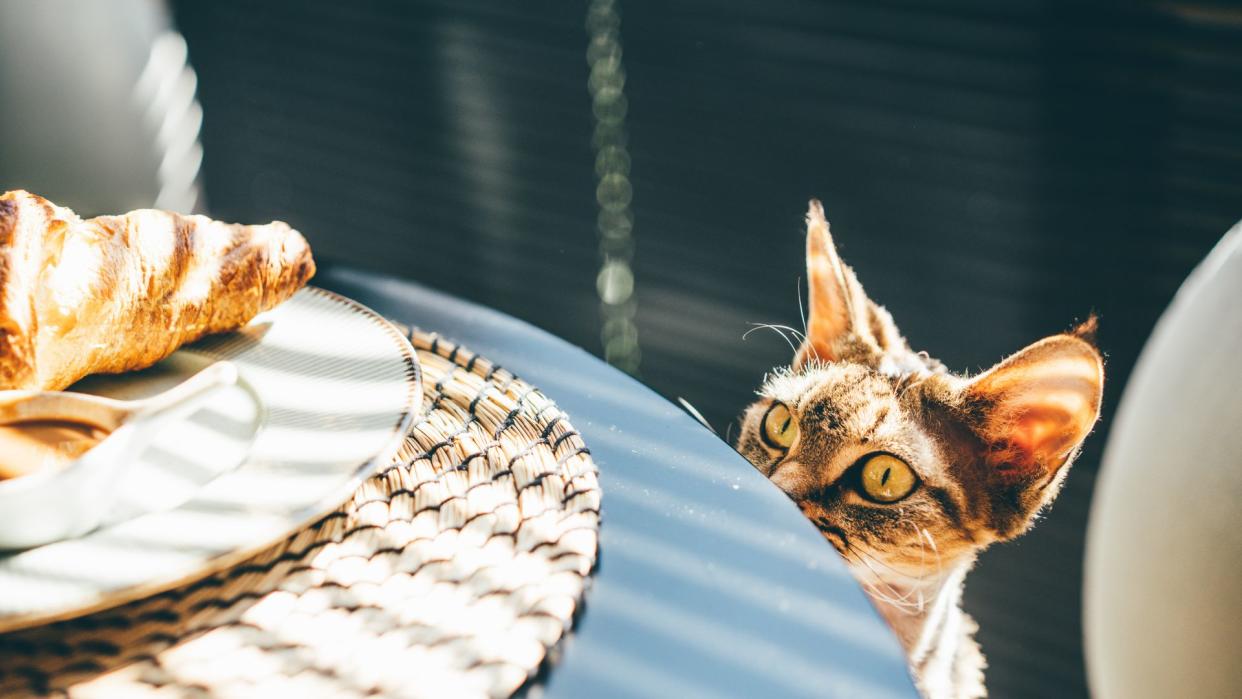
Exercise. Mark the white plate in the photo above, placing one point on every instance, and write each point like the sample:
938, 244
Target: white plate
328, 390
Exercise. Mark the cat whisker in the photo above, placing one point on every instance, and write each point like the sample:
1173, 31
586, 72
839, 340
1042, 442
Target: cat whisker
778, 329
920, 533
892, 596
888, 567
887, 599
897, 599
801, 309
924, 538
935, 550
911, 601
795, 332
694, 413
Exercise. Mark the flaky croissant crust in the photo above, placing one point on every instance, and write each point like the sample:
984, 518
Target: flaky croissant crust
118, 293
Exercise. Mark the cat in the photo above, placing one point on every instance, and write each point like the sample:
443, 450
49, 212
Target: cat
910, 471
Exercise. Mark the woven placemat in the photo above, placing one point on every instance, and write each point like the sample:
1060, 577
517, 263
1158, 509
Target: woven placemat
450, 573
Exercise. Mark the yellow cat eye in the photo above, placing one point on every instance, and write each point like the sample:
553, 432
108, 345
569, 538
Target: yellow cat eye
779, 428
885, 478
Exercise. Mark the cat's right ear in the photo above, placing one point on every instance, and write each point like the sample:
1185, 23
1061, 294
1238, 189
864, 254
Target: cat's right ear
1032, 413
836, 303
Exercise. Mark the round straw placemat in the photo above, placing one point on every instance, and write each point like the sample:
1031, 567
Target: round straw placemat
452, 572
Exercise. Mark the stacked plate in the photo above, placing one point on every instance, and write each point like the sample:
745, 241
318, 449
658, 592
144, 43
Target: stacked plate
327, 392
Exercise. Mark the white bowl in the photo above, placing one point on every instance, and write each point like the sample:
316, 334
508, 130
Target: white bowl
61, 503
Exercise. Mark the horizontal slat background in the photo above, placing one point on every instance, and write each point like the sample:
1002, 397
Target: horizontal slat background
994, 171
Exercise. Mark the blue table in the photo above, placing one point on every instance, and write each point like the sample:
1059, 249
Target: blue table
710, 583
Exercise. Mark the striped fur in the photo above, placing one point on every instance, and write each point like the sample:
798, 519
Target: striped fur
989, 453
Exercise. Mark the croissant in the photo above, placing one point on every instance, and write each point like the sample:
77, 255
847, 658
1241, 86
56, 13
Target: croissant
117, 293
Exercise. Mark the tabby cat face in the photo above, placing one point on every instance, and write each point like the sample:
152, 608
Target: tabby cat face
904, 467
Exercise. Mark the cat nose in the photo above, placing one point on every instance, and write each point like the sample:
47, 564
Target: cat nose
790, 477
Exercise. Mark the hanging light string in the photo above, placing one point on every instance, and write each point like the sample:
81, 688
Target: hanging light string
615, 222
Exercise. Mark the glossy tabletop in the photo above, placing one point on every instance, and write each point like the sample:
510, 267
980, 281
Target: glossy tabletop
710, 582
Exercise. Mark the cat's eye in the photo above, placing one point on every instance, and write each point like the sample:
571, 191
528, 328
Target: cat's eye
885, 478
779, 428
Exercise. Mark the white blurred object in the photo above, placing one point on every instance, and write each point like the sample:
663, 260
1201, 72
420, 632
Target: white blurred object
99, 110
1164, 550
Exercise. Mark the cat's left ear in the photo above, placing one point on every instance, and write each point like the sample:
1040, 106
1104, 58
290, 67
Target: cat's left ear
1033, 411
837, 305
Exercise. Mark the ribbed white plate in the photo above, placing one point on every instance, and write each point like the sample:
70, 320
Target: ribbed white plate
328, 390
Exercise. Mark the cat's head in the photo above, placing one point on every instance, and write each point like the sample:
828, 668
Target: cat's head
908, 469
